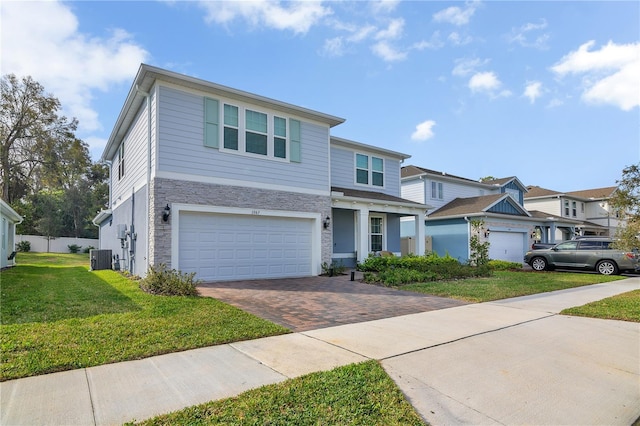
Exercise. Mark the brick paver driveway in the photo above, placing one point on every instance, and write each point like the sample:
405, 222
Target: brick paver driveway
302, 304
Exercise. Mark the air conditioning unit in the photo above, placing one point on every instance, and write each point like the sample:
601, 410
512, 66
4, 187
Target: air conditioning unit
100, 259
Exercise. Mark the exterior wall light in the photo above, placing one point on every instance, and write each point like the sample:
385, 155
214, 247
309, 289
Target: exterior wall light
166, 213
327, 222
487, 233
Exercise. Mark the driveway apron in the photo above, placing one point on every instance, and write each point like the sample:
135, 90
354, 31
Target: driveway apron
309, 303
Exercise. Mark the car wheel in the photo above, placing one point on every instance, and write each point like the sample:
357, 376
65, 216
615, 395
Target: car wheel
607, 267
538, 263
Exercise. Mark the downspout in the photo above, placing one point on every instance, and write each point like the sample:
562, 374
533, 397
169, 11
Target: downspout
148, 203
466, 218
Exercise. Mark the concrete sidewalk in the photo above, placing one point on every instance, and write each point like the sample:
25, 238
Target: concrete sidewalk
512, 361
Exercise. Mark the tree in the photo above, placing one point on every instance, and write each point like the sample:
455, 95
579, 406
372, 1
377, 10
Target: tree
31, 132
626, 200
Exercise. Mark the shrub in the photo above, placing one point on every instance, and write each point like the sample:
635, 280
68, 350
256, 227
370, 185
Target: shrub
74, 248
336, 268
392, 271
23, 246
169, 282
88, 249
503, 265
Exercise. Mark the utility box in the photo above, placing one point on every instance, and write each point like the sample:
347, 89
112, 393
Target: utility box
122, 232
100, 259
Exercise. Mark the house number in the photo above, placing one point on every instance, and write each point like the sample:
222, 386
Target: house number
255, 211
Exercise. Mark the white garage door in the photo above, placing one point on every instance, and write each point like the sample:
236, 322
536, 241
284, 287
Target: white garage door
220, 247
506, 246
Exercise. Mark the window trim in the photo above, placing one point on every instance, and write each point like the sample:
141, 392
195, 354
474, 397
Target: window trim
369, 170
437, 190
382, 233
121, 158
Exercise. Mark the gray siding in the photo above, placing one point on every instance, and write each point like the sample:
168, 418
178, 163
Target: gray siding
343, 172
135, 159
393, 233
182, 150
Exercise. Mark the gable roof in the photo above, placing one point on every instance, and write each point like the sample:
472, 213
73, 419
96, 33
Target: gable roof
597, 193
415, 171
346, 143
478, 205
148, 75
585, 194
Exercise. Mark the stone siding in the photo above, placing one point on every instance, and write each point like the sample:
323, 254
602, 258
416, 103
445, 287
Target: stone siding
167, 191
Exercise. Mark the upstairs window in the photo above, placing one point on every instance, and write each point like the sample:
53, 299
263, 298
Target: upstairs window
566, 207
437, 191
121, 161
574, 210
251, 132
369, 170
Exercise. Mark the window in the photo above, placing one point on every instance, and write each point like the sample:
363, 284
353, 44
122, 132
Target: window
375, 234
230, 136
369, 170
362, 169
279, 137
581, 207
574, 210
256, 133
566, 207
121, 161
436, 190
590, 245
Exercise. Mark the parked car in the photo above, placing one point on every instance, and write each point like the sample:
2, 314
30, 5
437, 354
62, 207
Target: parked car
593, 254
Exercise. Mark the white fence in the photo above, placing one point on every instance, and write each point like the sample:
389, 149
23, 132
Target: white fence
58, 245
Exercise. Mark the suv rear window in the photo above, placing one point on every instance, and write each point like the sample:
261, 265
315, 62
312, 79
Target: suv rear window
591, 245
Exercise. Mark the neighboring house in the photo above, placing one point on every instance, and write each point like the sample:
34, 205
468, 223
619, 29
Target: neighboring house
8, 220
587, 211
232, 185
498, 204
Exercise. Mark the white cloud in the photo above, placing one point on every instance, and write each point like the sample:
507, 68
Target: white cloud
456, 15
333, 47
393, 31
384, 6
466, 66
459, 40
487, 82
77, 64
424, 131
387, 52
610, 75
533, 90
298, 17
521, 35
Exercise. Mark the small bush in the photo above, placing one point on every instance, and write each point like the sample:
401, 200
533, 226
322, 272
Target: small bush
336, 268
503, 265
88, 249
169, 282
74, 248
23, 246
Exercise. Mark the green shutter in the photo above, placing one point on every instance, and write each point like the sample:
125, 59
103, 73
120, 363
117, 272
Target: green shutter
295, 153
211, 118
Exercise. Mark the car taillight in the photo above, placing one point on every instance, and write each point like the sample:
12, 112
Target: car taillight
630, 255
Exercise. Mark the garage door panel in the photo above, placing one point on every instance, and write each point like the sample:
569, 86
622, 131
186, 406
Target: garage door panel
507, 246
227, 247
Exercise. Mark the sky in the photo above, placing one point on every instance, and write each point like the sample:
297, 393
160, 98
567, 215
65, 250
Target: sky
547, 91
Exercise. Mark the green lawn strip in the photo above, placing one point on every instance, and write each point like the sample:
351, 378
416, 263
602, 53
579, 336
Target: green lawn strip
357, 394
505, 284
624, 307
73, 318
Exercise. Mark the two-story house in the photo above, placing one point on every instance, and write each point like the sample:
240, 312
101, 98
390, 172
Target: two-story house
588, 210
232, 185
459, 202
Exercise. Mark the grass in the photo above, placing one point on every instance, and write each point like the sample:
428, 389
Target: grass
56, 315
624, 307
505, 284
357, 394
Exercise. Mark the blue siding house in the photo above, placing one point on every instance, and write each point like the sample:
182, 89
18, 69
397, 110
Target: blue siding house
231, 185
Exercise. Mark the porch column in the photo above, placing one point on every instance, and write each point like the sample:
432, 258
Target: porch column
420, 233
552, 232
362, 244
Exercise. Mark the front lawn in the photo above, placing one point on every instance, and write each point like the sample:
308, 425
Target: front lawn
56, 315
357, 394
624, 307
506, 284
